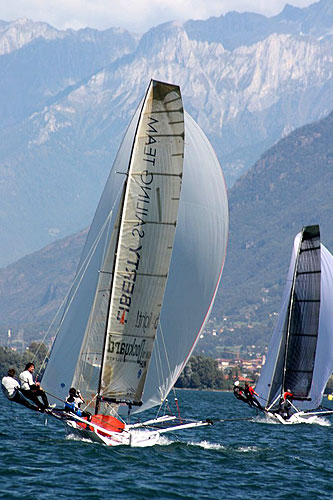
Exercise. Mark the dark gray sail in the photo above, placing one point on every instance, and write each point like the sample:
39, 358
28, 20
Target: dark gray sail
303, 321
295, 361
300, 353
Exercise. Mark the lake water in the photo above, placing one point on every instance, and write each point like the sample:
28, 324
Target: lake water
239, 459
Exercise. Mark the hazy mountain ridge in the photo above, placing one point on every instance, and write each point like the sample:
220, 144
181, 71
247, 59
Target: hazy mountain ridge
290, 186
16, 34
41, 62
63, 132
252, 28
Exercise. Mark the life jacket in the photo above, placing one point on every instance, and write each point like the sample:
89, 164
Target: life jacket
73, 408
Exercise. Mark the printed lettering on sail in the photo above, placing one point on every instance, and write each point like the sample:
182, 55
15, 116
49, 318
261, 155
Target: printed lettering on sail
146, 236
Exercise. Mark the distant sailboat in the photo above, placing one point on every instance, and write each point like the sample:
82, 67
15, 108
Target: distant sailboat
300, 354
147, 277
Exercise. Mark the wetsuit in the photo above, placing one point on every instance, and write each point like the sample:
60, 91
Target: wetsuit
252, 400
239, 393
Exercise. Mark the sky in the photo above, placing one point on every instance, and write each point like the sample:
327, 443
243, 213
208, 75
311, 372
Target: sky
134, 15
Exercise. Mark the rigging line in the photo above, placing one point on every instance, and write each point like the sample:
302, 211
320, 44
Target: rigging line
159, 368
55, 397
92, 250
83, 268
105, 249
230, 419
167, 359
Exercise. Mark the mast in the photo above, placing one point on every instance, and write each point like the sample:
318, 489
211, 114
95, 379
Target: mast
98, 402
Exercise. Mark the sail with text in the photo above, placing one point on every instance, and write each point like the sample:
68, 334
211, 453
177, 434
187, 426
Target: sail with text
151, 265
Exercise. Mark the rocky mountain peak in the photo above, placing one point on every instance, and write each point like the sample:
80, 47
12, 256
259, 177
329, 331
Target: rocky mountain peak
16, 34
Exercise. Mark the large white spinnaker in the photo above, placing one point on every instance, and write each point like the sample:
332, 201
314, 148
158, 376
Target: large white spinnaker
196, 266
323, 362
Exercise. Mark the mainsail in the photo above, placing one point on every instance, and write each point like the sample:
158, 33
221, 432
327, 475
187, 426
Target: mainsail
193, 278
145, 243
300, 355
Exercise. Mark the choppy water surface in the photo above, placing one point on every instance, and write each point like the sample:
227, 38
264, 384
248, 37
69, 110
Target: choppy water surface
231, 460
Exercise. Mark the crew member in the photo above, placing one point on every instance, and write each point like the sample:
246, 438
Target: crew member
239, 392
285, 404
11, 389
32, 390
73, 403
250, 393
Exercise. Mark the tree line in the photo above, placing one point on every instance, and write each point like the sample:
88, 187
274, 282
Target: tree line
35, 353
201, 372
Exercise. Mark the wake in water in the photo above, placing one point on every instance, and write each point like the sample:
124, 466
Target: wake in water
163, 441
248, 449
271, 421
206, 445
73, 437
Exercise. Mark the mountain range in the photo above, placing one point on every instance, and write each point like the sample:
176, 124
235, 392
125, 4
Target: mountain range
288, 187
66, 98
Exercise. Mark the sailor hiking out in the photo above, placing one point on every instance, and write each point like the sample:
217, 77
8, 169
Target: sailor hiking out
31, 389
250, 394
239, 392
247, 395
12, 390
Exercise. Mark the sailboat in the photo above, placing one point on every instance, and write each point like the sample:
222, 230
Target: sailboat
146, 280
300, 354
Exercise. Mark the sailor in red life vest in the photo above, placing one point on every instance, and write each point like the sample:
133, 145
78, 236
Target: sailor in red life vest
287, 394
285, 403
249, 393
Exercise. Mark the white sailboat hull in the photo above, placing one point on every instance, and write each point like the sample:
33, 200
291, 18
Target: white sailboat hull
300, 417
135, 435
134, 438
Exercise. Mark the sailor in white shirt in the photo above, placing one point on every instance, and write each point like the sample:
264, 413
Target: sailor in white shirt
31, 389
11, 389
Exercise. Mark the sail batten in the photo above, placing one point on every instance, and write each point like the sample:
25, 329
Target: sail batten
304, 316
300, 355
147, 230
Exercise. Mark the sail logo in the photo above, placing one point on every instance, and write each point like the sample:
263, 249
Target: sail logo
142, 205
146, 320
127, 287
129, 350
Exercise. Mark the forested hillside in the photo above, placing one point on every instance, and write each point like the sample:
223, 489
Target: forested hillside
290, 186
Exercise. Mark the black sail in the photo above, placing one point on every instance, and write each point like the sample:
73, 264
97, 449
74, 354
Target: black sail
303, 318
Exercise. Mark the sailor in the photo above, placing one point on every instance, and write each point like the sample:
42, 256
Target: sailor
32, 390
239, 392
285, 404
11, 389
250, 395
73, 403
